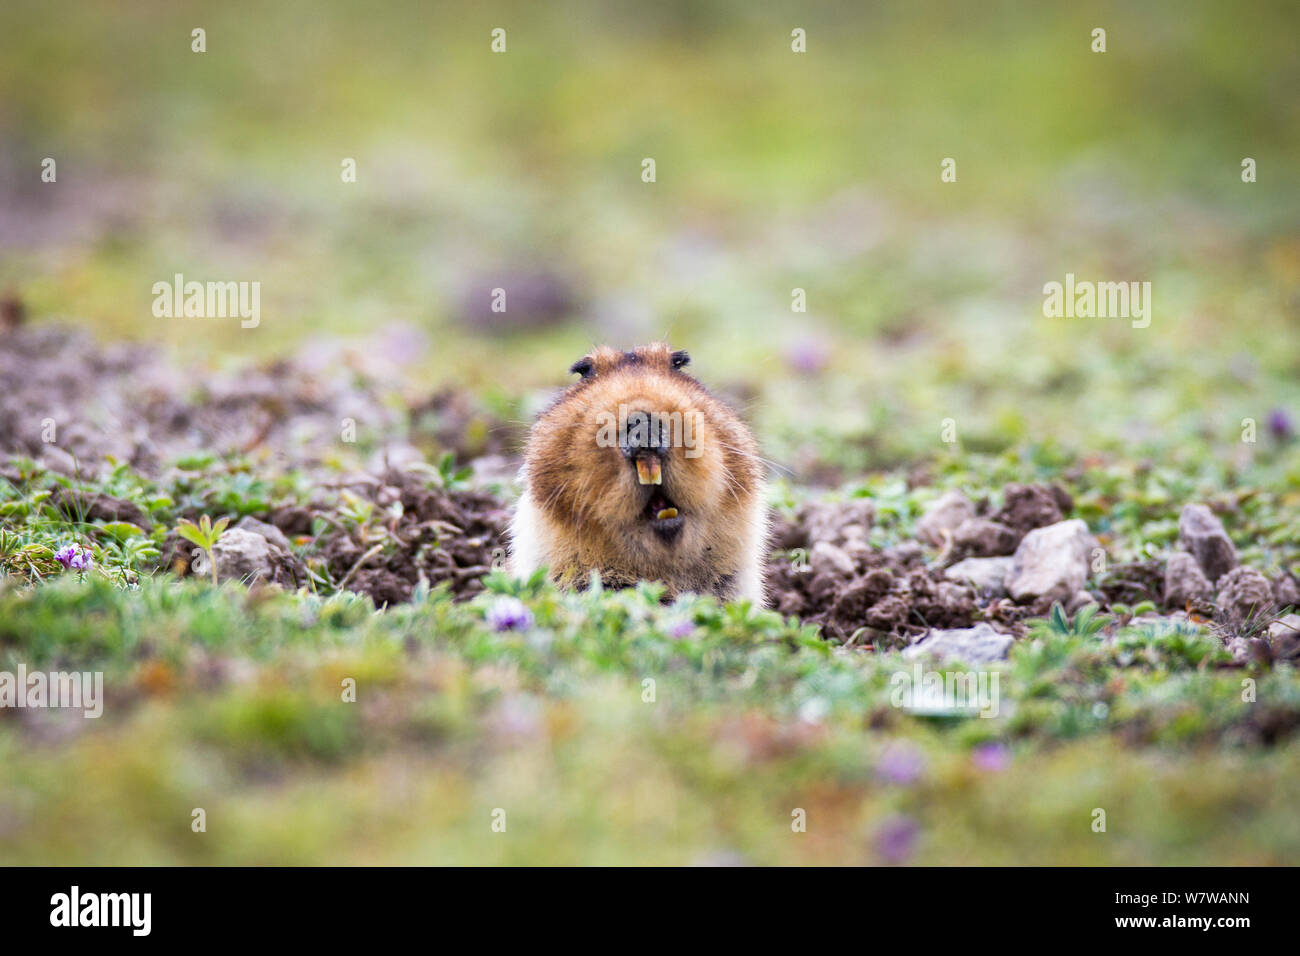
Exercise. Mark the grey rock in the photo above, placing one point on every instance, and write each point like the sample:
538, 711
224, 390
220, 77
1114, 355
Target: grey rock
1284, 637
971, 645
986, 575
943, 517
1285, 592
1051, 562
245, 556
242, 555
268, 531
1285, 627
1244, 594
1184, 581
1202, 534
1239, 648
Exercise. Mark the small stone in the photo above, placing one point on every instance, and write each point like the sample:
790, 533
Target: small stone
983, 538
245, 556
1051, 562
1285, 592
1284, 637
241, 555
1185, 582
971, 645
1284, 627
1202, 534
828, 559
268, 531
986, 575
1244, 594
1239, 648
943, 517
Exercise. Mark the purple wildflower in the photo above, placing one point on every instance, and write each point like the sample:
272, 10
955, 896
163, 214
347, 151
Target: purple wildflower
808, 356
682, 627
1280, 424
509, 614
901, 763
896, 838
73, 557
992, 757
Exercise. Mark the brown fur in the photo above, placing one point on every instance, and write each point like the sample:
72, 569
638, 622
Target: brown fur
589, 508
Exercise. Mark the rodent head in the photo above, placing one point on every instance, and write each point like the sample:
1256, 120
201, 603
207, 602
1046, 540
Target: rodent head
641, 454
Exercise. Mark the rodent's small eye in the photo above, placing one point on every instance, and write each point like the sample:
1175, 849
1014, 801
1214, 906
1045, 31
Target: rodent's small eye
681, 360
583, 367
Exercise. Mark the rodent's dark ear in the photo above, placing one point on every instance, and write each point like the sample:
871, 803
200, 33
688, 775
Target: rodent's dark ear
681, 359
583, 367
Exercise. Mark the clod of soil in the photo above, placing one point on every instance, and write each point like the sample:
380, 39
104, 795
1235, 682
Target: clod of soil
453, 536
844, 584
1026, 507
87, 506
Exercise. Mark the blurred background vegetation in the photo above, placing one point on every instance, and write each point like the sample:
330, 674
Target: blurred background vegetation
775, 171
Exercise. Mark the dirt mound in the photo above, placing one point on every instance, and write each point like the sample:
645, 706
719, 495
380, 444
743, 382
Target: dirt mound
882, 594
1026, 507
429, 532
829, 575
824, 571
70, 403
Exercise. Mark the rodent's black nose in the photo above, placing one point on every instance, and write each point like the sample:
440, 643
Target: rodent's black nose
645, 432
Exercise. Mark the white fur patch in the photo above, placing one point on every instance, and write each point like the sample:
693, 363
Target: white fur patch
749, 579
525, 537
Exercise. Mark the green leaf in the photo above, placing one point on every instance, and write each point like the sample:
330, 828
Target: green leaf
193, 533
121, 530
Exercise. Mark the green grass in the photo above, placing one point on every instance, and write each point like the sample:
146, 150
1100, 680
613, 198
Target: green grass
233, 702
